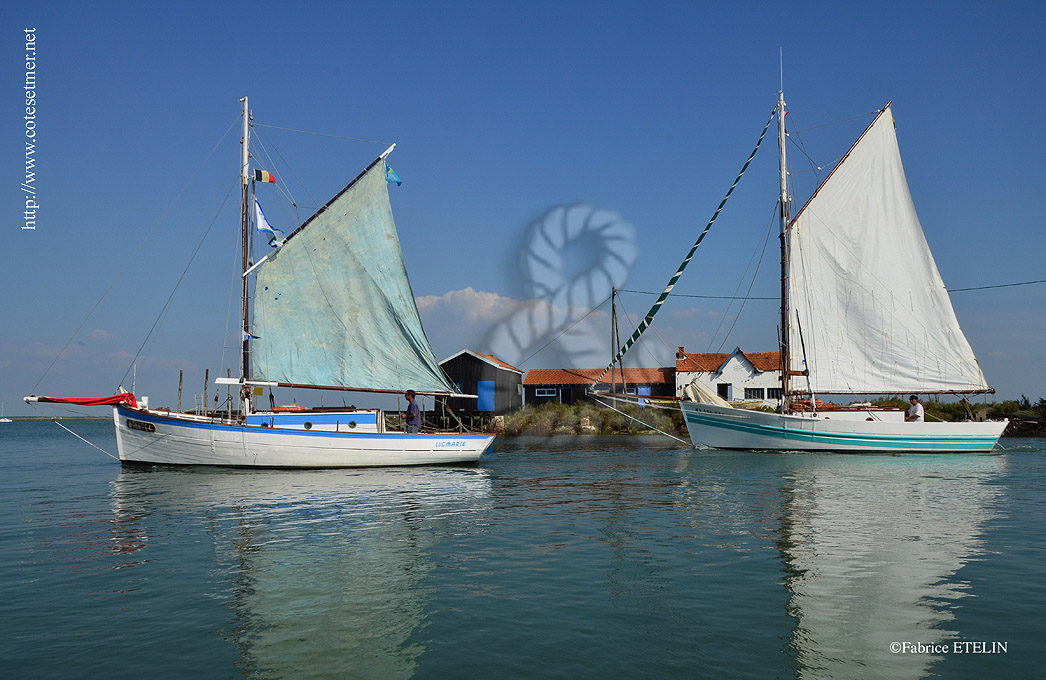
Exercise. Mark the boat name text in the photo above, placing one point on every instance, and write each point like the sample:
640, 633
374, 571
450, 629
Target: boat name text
139, 425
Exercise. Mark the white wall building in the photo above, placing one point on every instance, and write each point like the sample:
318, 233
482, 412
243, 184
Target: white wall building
735, 376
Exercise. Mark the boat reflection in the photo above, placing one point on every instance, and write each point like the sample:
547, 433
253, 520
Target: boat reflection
873, 547
324, 570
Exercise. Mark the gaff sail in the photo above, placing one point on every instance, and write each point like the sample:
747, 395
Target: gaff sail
868, 305
333, 306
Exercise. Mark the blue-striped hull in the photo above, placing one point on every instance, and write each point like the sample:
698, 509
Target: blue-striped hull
148, 436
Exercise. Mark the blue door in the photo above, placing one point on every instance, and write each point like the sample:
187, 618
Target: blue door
485, 390
646, 391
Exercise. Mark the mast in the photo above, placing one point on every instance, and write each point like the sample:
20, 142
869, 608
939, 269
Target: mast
785, 210
245, 366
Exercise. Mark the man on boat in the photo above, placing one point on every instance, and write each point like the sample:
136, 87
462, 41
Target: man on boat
915, 413
413, 418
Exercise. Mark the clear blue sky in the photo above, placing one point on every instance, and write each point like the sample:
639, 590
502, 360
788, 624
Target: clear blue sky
502, 111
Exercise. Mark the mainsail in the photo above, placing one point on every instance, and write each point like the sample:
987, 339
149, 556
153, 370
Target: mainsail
334, 306
869, 311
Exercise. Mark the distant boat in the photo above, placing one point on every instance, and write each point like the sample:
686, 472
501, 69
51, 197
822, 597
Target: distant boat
333, 309
864, 311
2, 418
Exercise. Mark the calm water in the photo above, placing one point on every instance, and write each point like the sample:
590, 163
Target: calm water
554, 558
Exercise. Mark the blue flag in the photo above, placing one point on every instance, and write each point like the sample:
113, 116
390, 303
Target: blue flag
275, 235
391, 176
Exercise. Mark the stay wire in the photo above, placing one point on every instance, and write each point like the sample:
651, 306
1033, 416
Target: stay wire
133, 255
166, 305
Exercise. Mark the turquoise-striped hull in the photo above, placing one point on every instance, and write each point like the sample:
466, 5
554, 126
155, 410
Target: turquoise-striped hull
730, 428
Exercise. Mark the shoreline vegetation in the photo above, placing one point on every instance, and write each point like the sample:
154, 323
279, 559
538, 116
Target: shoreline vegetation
1026, 419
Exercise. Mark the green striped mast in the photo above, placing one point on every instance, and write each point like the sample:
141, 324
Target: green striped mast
648, 319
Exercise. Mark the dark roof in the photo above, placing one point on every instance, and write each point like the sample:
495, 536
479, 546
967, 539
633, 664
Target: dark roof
488, 358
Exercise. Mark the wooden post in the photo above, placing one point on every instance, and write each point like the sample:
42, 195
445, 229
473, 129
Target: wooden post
206, 380
179, 391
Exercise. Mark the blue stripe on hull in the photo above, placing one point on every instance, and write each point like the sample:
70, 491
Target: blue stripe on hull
268, 431
846, 440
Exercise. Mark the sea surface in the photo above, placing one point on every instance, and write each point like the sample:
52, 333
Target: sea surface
588, 557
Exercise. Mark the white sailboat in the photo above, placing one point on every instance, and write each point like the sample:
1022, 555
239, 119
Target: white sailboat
332, 309
863, 311
3, 419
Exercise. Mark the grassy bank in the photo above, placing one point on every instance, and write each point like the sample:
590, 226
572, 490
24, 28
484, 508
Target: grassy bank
585, 418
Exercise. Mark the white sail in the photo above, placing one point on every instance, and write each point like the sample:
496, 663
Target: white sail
869, 311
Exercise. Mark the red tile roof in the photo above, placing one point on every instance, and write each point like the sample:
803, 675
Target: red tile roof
710, 362
695, 362
585, 376
764, 361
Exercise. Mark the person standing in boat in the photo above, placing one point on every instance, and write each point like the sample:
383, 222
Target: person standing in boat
413, 416
915, 413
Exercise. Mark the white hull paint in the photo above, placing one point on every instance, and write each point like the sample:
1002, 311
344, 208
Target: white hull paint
731, 428
149, 436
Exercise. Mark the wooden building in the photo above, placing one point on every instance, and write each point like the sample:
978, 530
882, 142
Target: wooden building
567, 385
498, 384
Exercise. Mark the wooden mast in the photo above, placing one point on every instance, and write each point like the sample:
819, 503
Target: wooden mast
785, 206
245, 366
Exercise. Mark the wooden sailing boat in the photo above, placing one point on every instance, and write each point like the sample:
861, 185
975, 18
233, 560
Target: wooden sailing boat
333, 309
863, 311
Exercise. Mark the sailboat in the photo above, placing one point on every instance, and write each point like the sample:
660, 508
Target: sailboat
332, 309
863, 311
2, 418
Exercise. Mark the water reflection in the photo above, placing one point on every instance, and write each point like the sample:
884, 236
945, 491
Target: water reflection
873, 546
323, 570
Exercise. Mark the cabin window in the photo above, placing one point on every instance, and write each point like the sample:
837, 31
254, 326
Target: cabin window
773, 392
545, 392
754, 392
308, 425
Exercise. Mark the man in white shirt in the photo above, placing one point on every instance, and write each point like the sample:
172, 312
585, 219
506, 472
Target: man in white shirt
915, 413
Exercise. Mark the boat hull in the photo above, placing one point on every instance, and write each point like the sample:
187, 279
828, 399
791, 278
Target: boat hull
724, 427
146, 436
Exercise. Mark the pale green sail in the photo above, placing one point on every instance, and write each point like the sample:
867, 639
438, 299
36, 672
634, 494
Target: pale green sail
334, 305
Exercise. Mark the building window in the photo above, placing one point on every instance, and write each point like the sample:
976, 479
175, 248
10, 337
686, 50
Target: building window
723, 390
773, 392
754, 393
545, 392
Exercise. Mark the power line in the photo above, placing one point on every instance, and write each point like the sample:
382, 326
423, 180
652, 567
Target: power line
741, 297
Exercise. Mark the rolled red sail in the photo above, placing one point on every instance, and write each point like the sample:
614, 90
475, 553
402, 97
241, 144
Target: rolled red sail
122, 398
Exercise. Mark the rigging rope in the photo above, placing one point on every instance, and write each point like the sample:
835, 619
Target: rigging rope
672, 282
601, 403
321, 134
